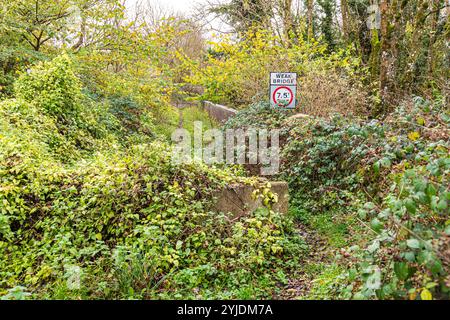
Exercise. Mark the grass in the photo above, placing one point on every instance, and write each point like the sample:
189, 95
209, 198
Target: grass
326, 283
331, 227
191, 114
167, 122
339, 228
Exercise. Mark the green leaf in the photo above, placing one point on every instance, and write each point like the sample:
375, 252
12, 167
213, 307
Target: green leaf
447, 230
430, 190
401, 270
434, 202
442, 205
385, 162
413, 243
359, 296
374, 246
376, 224
376, 167
369, 205
362, 214
422, 197
424, 257
410, 205
374, 280
410, 256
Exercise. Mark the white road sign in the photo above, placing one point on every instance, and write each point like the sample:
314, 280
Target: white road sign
283, 88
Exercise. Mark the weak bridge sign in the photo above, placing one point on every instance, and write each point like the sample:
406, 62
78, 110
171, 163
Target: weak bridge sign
283, 88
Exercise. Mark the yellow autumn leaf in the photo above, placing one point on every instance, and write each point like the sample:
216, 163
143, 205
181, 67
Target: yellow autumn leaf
420, 121
412, 296
413, 135
275, 198
426, 295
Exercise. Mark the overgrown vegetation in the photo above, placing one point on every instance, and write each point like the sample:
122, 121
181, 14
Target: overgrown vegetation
379, 191
236, 74
92, 207
134, 224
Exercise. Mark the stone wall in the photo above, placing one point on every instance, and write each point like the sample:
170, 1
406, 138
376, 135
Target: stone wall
218, 112
237, 199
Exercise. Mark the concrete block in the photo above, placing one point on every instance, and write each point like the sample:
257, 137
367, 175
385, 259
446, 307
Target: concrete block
237, 199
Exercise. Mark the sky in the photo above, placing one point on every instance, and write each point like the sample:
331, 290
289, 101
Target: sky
180, 6
186, 8
183, 6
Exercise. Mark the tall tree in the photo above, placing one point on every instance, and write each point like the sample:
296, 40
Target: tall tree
243, 15
41, 20
326, 22
310, 17
385, 67
286, 15
345, 14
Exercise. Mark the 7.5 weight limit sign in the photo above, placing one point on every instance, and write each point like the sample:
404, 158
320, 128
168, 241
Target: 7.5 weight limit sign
283, 88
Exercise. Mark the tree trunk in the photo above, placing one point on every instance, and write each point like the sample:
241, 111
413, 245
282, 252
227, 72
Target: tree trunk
385, 77
434, 5
310, 19
287, 19
345, 20
374, 58
81, 37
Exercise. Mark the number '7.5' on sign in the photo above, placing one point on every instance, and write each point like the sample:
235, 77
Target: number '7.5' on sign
283, 87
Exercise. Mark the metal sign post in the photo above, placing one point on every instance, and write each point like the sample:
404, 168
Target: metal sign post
283, 89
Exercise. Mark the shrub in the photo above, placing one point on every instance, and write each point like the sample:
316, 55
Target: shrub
236, 74
51, 86
393, 177
322, 157
257, 115
326, 93
82, 215
131, 221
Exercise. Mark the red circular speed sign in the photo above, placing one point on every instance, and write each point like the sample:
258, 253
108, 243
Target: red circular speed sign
281, 95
